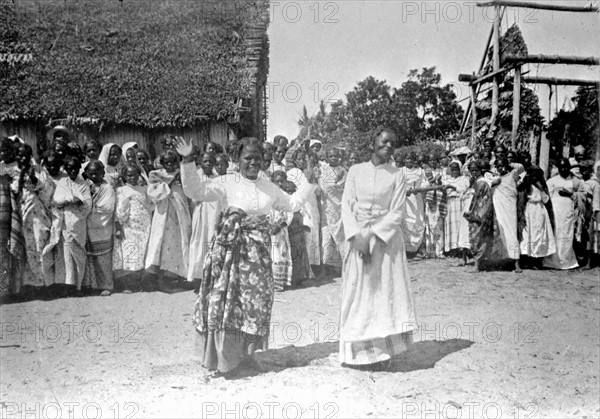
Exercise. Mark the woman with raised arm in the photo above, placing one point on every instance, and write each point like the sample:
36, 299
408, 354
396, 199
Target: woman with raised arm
378, 315
233, 309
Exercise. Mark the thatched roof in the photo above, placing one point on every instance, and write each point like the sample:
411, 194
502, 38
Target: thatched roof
151, 63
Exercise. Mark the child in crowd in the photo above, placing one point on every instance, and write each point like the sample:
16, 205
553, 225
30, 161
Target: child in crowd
133, 220
168, 250
280, 242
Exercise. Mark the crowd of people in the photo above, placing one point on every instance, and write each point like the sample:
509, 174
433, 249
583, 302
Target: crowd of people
238, 224
103, 218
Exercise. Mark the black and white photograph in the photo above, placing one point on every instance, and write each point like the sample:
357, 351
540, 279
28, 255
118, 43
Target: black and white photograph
299, 209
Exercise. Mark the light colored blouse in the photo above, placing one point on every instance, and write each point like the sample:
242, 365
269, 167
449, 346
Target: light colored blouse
254, 197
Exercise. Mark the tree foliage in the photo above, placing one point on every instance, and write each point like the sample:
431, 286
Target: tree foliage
579, 126
421, 109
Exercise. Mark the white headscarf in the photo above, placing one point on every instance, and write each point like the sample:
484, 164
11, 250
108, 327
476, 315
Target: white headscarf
313, 142
104, 156
127, 146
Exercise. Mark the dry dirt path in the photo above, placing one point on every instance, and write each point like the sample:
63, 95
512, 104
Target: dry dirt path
491, 345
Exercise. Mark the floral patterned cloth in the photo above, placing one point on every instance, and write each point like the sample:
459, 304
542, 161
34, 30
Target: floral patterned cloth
236, 292
134, 213
280, 250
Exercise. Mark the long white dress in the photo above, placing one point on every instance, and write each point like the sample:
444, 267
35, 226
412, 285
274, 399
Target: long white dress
134, 213
456, 226
538, 237
505, 209
377, 314
310, 216
415, 209
205, 217
169, 245
564, 220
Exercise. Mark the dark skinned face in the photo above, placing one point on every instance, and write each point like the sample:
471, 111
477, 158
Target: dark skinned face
131, 155
208, 163
251, 162
170, 163
383, 146
92, 152
72, 169
131, 176
221, 166
114, 156
94, 173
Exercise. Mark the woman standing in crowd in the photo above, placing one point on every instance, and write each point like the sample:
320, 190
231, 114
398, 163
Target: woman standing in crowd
415, 205
505, 210
456, 227
35, 195
100, 231
280, 242
133, 218
332, 179
377, 311
12, 244
481, 217
237, 271
113, 162
563, 190
71, 203
205, 218
310, 209
538, 237
435, 209
168, 250
594, 247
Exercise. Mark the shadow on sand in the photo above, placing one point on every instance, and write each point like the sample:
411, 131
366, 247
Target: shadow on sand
420, 356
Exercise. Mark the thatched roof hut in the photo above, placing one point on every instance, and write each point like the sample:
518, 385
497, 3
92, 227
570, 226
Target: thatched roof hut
133, 70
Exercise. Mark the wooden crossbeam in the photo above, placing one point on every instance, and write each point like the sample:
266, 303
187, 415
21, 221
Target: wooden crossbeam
550, 59
474, 80
539, 6
560, 82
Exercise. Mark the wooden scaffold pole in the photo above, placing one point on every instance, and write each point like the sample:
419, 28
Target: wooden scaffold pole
496, 58
516, 107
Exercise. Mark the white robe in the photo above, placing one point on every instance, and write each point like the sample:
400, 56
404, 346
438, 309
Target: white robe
205, 217
564, 220
310, 216
538, 237
377, 311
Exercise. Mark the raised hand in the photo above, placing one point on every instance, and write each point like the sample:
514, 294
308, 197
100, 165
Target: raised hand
184, 147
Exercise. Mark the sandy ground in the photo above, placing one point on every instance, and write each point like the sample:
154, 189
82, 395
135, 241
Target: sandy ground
491, 345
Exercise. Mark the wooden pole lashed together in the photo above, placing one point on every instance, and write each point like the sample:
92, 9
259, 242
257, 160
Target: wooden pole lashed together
496, 58
550, 59
473, 116
539, 6
516, 107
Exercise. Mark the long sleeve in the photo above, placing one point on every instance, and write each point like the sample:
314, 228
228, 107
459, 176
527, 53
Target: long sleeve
386, 227
158, 191
294, 202
195, 189
123, 203
349, 221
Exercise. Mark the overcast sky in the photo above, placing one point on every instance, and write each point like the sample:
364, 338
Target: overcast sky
320, 50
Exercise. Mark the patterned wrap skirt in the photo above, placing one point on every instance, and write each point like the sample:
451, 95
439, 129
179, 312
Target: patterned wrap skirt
233, 309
